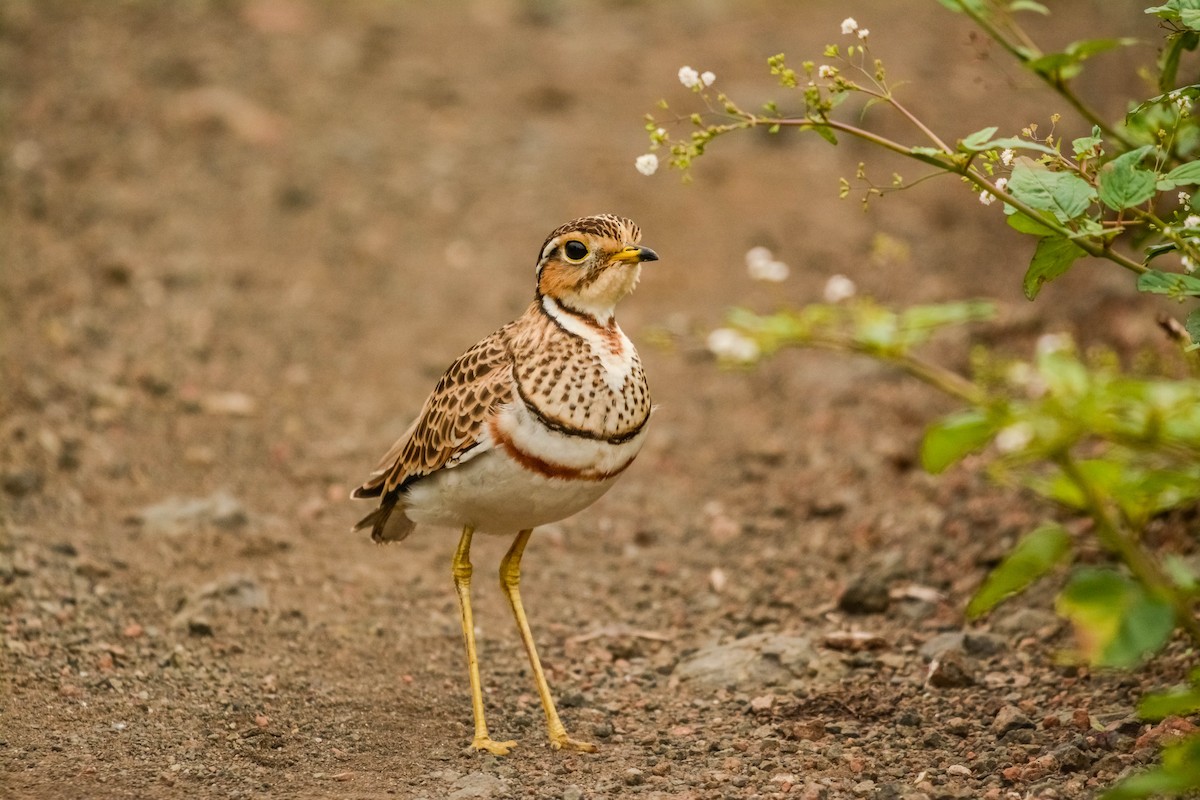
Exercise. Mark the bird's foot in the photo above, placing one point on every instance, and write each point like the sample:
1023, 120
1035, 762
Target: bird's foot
564, 742
493, 747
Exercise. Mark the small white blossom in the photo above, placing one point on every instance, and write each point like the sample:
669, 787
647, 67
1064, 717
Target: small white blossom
647, 164
1006, 156
863, 33
826, 71
763, 266
1191, 221
689, 77
986, 197
1184, 198
757, 255
731, 345
1001, 183
769, 271
1189, 265
838, 288
849, 26
707, 78
1015, 437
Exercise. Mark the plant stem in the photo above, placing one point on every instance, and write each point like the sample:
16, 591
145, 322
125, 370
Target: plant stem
949, 164
937, 376
1028, 53
1124, 547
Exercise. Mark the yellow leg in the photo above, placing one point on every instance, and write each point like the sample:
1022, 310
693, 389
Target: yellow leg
510, 578
462, 584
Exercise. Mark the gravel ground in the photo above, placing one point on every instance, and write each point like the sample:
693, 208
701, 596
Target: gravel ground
242, 239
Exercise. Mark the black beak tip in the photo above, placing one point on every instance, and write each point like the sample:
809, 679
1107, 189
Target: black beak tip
646, 254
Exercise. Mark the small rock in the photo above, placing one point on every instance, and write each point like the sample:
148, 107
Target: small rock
176, 515
634, 777
1070, 758
1010, 718
602, 730
941, 643
950, 670
866, 594
958, 726
572, 793
1028, 621
959, 770
22, 482
983, 644
764, 659
478, 784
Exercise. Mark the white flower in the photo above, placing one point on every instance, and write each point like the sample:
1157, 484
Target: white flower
1189, 265
1184, 198
863, 33
1191, 221
763, 266
1006, 156
1001, 183
839, 288
826, 71
689, 77
1015, 437
757, 255
731, 345
849, 25
647, 164
769, 271
707, 78
986, 197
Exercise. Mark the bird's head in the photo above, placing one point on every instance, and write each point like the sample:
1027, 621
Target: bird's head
589, 264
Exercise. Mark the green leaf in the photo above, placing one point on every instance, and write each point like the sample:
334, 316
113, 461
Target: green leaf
1067, 64
1064, 194
1029, 5
1182, 702
1085, 144
1184, 175
1192, 323
930, 317
1117, 623
1168, 63
1172, 284
1035, 555
825, 132
1053, 257
1123, 184
957, 6
982, 140
977, 140
1177, 776
950, 439
1018, 220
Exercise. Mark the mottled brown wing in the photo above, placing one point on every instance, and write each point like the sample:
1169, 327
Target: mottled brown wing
450, 426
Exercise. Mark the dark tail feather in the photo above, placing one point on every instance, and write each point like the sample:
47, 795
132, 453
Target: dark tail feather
378, 519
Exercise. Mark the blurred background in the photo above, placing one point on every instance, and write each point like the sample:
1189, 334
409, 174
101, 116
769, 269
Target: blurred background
242, 239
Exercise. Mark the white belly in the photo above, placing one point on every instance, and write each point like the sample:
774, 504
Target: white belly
495, 494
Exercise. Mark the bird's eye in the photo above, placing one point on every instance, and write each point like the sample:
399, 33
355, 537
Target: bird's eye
575, 251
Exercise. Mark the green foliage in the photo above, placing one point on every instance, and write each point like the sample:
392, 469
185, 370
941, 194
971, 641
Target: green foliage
952, 438
1039, 552
1118, 622
1115, 447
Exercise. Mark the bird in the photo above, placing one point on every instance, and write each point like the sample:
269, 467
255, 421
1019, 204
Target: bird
528, 427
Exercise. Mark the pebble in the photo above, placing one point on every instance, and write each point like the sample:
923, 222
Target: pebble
1010, 718
866, 594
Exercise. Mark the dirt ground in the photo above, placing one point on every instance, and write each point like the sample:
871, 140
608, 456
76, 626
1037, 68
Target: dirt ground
241, 240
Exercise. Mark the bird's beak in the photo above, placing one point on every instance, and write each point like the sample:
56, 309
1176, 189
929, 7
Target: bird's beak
635, 254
